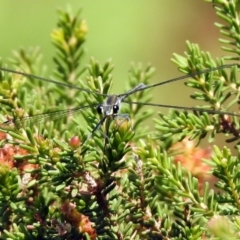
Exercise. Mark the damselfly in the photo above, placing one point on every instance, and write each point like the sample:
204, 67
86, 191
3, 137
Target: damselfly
111, 107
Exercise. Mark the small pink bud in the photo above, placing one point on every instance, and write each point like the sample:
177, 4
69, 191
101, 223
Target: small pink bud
74, 142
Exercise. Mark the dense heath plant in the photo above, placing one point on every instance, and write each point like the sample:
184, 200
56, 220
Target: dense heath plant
56, 182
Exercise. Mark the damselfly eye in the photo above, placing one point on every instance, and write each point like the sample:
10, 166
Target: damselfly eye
115, 109
100, 109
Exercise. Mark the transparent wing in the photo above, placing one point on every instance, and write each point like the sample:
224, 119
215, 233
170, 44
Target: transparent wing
142, 86
50, 80
211, 111
38, 118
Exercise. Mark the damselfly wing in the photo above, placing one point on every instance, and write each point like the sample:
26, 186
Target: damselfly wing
111, 106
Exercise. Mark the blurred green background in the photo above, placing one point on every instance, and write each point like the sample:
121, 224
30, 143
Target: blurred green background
125, 31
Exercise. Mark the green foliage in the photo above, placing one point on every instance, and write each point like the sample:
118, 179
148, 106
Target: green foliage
58, 181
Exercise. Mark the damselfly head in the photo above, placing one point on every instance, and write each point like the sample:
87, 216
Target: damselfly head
110, 107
